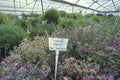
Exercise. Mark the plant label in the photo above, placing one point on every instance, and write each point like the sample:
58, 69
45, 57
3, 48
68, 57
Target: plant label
44, 22
59, 44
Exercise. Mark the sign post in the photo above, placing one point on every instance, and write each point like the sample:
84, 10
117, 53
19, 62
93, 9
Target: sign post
58, 44
57, 55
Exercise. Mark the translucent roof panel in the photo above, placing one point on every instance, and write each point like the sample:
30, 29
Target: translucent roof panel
99, 5
39, 6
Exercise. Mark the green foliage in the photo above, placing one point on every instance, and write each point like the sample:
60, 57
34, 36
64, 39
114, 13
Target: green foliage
68, 23
98, 14
51, 15
28, 61
96, 18
50, 28
37, 30
63, 13
24, 16
73, 20
24, 24
29, 16
3, 19
33, 51
110, 15
42, 29
74, 15
36, 21
10, 36
13, 16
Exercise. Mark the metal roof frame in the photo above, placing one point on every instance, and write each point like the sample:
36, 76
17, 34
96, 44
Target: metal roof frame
101, 7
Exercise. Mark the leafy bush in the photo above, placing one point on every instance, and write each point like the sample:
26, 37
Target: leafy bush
24, 24
3, 19
50, 28
12, 16
51, 15
10, 36
37, 48
35, 22
37, 30
72, 69
63, 13
66, 23
41, 30
102, 50
72, 20
92, 61
96, 18
14, 67
28, 61
75, 15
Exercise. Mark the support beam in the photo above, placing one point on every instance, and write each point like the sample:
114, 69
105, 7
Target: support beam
59, 6
114, 4
49, 5
17, 10
34, 5
42, 6
26, 1
14, 5
108, 6
27, 4
75, 4
102, 4
19, 3
77, 1
111, 12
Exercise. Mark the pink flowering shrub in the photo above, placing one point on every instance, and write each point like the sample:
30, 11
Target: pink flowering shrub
33, 51
104, 51
27, 62
91, 46
19, 70
98, 59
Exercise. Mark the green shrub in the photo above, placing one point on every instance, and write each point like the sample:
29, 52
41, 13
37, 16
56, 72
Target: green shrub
10, 36
33, 49
65, 23
50, 28
3, 19
41, 30
110, 15
12, 16
24, 24
74, 15
63, 13
36, 21
51, 15
96, 18
37, 30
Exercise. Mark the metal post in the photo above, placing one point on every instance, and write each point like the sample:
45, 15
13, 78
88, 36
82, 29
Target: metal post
57, 56
42, 6
14, 5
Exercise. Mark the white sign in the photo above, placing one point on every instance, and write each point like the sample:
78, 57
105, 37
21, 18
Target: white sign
58, 44
44, 22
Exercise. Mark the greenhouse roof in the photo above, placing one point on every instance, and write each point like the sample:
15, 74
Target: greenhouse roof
39, 6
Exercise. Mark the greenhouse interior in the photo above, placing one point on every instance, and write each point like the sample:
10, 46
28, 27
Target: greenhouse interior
59, 39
